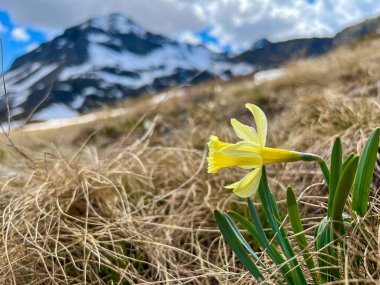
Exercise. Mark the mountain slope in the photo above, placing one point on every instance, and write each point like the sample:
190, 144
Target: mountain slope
102, 61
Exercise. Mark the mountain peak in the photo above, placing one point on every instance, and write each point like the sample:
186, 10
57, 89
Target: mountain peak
260, 44
116, 23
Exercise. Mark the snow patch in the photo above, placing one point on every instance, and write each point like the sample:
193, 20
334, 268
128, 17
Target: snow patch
269, 74
16, 111
170, 56
21, 73
118, 79
89, 91
74, 71
117, 23
19, 98
55, 111
238, 69
32, 79
65, 87
98, 38
78, 102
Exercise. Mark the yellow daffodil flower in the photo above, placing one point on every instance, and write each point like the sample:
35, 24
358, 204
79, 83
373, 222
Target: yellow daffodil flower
250, 153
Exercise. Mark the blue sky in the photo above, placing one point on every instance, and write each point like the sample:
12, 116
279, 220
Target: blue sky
17, 39
229, 25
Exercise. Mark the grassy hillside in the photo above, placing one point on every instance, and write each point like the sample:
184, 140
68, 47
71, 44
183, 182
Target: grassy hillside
128, 200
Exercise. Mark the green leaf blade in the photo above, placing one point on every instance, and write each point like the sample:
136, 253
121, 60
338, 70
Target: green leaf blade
231, 239
297, 227
326, 251
335, 170
343, 188
271, 212
364, 174
242, 240
272, 252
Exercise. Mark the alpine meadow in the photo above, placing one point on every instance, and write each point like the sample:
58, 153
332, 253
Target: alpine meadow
258, 177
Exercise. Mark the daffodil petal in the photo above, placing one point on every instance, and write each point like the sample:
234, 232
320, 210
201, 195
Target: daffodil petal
248, 186
242, 149
244, 132
216, 144
248, 167
260, 121
217, 159
232, 186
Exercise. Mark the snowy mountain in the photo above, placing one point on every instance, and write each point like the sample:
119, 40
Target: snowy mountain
107, 59
103, 61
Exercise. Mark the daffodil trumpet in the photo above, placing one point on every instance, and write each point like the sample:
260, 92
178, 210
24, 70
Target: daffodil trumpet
250, 153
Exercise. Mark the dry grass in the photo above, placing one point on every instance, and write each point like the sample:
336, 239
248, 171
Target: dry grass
128, 200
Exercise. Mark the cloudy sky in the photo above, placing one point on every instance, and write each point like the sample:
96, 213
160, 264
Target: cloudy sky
221, 24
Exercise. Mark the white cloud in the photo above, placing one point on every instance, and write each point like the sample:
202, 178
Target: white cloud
189, 37
20, 34
235, 22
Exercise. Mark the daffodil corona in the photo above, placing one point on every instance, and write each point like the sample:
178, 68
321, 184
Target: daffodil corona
250, 153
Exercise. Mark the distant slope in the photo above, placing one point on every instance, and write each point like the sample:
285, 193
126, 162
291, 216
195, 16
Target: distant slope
368, 27
265, 54
271, 55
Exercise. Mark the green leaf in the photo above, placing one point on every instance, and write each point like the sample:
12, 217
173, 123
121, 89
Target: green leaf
262, 240
342, 190
295, 221
271, 213
242, 240
325, 171
326, 251
364, 174
234, 242
249, 227
272, 252
326, 241
335, 169
347, 160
